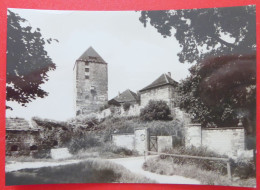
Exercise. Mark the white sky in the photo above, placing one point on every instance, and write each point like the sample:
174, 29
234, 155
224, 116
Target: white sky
136, 56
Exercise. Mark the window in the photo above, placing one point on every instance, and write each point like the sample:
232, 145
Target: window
86, 69
86, 77
14, 148
33, 147
86, 63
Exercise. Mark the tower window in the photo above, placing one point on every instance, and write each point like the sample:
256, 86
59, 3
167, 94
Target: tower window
86, 77
86, 69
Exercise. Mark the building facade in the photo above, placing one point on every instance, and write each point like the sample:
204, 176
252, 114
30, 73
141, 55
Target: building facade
163, 88
90, 82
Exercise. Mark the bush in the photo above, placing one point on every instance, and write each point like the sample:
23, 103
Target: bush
155, 110
83, 142
126, 106
241, 168
105, 106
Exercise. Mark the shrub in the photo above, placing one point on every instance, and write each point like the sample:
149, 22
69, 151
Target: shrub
112, 109
105, 106
126, 106
241, 168
155, 110
83, 142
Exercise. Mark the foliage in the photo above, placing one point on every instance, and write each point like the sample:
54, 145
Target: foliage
205, 177
210, 95
27, 61
105, 106
126, 106
243, 168
155, 110
83, 142
204, 33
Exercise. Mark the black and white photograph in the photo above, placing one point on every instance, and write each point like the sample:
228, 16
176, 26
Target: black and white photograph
166, 96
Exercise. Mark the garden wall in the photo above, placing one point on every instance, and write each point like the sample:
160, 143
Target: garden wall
228, 141
124, 140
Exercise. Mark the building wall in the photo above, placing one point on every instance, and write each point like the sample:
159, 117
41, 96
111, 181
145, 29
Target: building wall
90, 93
23, 140
165, 93
124, 140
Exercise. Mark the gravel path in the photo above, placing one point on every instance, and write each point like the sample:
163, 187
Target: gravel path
134, 164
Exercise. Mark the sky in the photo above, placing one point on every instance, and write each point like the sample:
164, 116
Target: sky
136, 55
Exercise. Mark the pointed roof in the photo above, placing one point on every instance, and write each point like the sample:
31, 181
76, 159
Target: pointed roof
126, 96
164, 79
91, 55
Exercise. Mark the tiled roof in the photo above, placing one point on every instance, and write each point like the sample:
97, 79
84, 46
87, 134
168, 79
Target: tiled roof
91, 55
19, 124
164, 79
126, 96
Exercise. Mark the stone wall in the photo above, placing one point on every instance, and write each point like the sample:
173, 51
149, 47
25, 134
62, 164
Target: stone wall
165, 93
227, 141
20, 143
224, 140
123, 140
92, 92
193, 135
134, 110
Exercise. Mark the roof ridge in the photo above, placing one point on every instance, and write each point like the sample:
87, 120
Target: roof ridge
167, 81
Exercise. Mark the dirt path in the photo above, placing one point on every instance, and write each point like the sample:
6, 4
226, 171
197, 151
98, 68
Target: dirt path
134, 164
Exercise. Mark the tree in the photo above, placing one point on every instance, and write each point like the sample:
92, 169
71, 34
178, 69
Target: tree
155, 110
27, 61
221, 90
204, 33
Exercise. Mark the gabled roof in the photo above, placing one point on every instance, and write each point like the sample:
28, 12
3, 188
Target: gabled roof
91, 55
19, 124
126, 96
164, 79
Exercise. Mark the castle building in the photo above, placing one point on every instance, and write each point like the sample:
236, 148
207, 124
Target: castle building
90, 82
163, 88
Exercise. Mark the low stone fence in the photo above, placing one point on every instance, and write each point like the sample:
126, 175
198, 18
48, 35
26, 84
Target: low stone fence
140, 141
124, 140
229, 141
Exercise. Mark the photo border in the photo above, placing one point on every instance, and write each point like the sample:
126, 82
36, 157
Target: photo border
110, 5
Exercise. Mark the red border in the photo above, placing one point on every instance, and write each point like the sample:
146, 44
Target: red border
106, 5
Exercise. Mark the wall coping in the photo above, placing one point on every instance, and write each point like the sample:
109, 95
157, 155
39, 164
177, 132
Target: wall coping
117, 134
223, 128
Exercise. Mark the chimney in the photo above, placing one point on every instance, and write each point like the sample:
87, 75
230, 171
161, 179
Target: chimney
169, 74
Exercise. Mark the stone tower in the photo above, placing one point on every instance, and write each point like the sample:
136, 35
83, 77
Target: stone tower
90, 82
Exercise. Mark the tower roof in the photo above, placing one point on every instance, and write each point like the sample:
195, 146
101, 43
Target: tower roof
164, 79
91, 55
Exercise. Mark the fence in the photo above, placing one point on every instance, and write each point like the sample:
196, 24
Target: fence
195, 157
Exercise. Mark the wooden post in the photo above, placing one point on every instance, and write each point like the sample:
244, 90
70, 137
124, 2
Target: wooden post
229, 171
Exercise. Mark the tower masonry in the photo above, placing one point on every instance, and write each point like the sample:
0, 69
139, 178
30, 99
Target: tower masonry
90, 82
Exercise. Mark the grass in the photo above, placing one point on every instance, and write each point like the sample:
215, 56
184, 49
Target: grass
167, 167
89, 171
